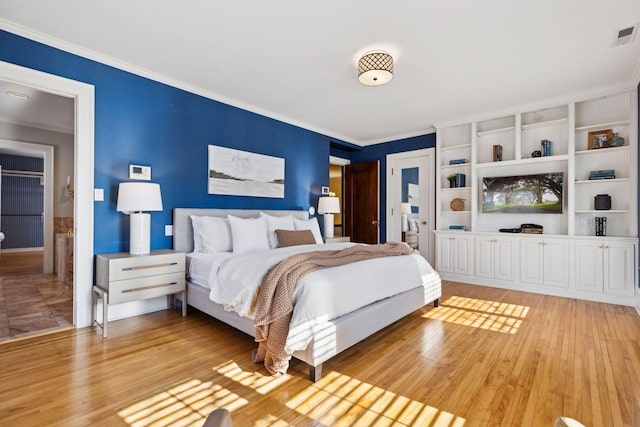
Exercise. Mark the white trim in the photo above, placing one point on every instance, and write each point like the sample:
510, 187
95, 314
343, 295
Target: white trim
46, 152
431, 188
406, 135
84, 166
333, 160
125, 66
636, 74
580, 97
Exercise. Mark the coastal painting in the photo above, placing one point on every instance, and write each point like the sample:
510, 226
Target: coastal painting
241, 173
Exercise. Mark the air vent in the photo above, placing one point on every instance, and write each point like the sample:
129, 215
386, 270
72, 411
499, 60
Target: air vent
625, 35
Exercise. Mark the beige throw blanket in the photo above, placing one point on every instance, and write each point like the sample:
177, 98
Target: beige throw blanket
274, 305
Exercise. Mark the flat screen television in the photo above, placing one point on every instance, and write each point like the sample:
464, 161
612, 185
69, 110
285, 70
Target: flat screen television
523, 194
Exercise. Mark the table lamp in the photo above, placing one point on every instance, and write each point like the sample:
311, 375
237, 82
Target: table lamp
405, 211
133, 199
327, 206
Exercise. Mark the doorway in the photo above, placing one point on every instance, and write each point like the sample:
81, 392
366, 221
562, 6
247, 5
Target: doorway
83, 143
411, 200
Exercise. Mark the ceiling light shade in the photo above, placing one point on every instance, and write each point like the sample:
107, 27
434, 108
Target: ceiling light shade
375, 69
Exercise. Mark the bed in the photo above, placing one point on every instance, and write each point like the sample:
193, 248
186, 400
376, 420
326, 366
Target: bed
333, 336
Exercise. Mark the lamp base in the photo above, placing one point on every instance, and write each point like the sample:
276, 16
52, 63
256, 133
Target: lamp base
140, 234
328, 226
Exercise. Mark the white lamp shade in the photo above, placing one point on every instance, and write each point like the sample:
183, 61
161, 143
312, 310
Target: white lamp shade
139, 197
405, 208
328, 205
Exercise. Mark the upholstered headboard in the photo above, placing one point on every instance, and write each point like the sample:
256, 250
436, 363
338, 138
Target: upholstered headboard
183, 230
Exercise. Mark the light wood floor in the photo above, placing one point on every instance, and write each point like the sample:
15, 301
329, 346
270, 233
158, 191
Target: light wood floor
484, 357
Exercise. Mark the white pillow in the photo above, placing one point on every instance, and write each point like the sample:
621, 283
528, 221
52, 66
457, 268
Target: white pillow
197, 239
277, 223
215, 234
248, 234
312, 225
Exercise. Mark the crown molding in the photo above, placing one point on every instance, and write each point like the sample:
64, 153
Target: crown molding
161, 78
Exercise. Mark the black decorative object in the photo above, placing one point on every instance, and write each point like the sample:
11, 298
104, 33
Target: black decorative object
601, 226
602, 202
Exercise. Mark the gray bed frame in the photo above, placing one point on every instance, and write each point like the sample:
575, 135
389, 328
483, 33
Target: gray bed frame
339, 334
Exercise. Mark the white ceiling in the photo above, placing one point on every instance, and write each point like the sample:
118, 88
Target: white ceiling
296, 61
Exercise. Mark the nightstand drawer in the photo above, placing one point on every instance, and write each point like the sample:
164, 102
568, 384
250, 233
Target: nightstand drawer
146, 287
134, 267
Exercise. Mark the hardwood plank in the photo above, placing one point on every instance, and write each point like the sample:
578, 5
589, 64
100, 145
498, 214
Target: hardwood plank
486, 356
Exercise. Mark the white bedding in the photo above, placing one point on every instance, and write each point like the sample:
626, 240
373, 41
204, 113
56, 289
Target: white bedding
320, 296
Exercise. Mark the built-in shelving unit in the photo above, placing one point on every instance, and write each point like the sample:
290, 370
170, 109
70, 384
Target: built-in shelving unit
576, 153
568, 127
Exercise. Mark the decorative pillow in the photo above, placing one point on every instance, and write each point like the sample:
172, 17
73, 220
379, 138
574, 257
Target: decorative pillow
215, 234
277, 223
294, 238
197, 239
312, 225
248, 234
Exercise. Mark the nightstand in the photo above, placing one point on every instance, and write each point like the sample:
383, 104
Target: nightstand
337, 239
122, 277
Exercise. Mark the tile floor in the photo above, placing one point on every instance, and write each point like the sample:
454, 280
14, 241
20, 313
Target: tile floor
33, 304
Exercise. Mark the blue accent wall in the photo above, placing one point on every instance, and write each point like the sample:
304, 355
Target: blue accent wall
379, 152
141, 121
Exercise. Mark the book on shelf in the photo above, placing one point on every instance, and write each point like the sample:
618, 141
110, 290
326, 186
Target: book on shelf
497, 153
602, 174
457, 161
457, 227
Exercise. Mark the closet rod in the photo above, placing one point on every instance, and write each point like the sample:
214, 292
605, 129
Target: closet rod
28, 174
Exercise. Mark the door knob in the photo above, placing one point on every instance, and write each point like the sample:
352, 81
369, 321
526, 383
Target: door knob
424, 223
374, 222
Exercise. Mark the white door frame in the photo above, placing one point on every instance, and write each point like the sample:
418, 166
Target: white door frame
83, 192
45, 152
426, 191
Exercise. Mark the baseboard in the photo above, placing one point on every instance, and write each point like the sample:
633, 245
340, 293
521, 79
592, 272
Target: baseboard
638, 309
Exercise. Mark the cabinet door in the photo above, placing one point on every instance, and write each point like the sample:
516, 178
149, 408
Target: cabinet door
505, 254
618, 268
444, 254
484, 257
556, 263
463, 256
589, 264
531, 261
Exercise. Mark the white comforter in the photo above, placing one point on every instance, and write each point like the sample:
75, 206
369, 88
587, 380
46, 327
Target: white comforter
322, 295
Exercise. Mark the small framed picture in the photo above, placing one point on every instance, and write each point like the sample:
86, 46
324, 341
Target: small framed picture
599, 139
325, 191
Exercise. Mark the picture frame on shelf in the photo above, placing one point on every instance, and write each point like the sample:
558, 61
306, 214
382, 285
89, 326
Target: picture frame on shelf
599, 138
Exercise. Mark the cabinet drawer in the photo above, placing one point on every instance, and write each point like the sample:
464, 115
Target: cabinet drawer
146, 287
134, 267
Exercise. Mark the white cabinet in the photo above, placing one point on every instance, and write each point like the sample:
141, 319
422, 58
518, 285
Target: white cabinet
454, 253
605, 266
544, 262
496, 258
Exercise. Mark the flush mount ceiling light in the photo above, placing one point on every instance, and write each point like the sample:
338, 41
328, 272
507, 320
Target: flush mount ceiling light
375, 69
19, 95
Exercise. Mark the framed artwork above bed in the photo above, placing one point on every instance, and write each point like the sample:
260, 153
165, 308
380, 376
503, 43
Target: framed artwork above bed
242, 173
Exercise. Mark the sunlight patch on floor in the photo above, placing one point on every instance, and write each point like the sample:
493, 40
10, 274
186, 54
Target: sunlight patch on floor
254, 380
489, 315
338, 399
182, 405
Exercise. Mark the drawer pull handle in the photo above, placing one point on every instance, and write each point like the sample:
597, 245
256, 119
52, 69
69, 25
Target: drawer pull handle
143, 288
142, 267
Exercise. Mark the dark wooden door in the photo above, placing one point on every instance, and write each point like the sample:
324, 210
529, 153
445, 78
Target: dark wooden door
361, 202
